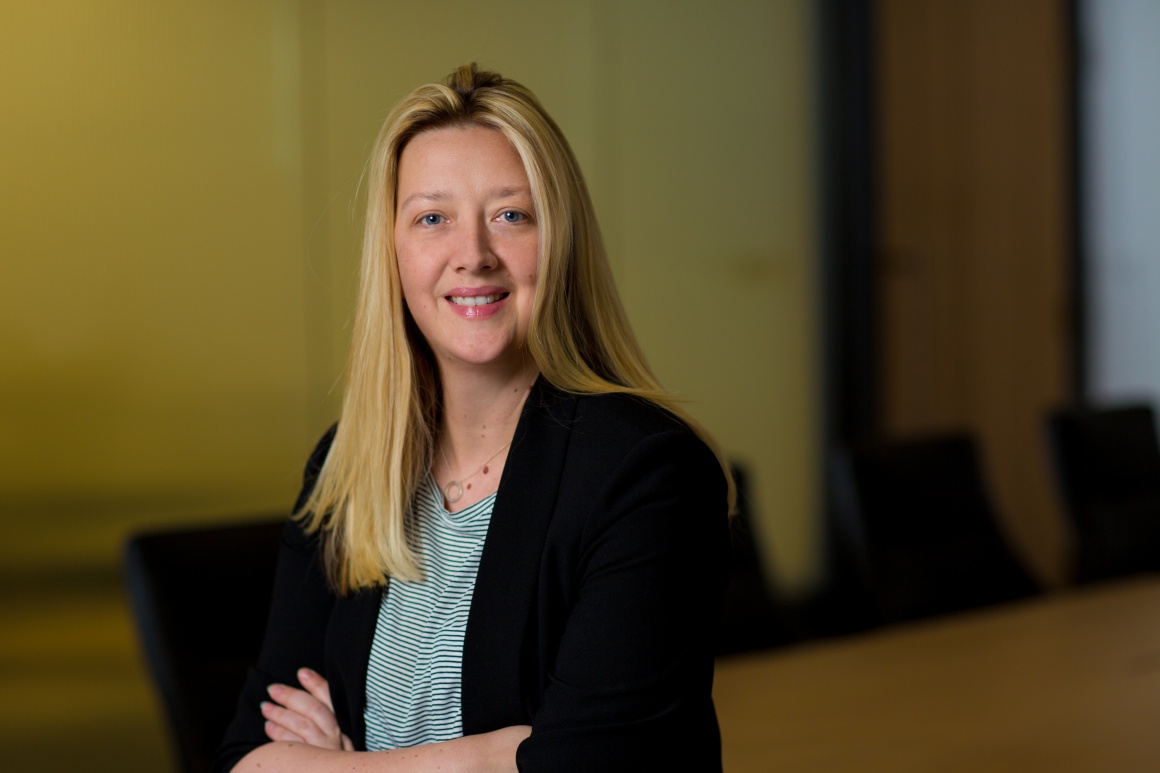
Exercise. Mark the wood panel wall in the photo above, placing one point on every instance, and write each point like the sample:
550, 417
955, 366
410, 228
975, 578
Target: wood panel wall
973, 149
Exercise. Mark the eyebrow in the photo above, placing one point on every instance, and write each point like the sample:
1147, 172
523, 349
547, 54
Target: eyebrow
437, 196
433, 196
507, 193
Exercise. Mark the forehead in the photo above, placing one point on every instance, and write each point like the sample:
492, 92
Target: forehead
459, 153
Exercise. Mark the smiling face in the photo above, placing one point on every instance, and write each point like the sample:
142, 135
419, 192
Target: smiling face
467, 245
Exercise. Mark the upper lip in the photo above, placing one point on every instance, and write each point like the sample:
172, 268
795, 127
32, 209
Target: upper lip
471, 292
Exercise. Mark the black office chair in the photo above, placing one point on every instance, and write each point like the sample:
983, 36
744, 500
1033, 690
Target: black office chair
1107, 464
751, 619
200, 597
916, 516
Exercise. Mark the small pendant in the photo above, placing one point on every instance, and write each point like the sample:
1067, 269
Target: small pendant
453, 491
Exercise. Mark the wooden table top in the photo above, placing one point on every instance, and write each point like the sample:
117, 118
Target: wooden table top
1066, 682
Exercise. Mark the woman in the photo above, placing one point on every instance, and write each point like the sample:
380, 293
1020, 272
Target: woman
510, 552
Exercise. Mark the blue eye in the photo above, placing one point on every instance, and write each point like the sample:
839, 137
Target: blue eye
431, 219
511, 216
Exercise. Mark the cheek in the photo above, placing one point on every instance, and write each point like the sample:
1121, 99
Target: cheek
406, 284
530, 264
411, 276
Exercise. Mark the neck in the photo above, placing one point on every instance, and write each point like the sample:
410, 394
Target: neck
480, 411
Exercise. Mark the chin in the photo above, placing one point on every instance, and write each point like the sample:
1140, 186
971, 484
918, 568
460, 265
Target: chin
483, 358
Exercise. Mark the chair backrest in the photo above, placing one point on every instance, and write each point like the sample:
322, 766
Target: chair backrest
916, 515
1107, 464
200, 597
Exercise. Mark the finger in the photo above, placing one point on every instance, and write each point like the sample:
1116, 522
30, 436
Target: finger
276, 732
306, 705
297, 723
317, 686
347, 746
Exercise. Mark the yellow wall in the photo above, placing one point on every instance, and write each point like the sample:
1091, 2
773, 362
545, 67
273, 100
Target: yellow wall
180, 216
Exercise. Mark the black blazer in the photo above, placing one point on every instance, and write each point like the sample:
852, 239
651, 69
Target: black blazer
595, 606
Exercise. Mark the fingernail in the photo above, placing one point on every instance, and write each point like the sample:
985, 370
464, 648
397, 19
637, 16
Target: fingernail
305, 673
272, 688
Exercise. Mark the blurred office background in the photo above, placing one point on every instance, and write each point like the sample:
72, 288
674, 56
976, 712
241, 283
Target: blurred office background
827, 219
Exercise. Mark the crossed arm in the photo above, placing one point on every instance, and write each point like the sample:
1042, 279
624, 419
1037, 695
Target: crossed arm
306, 737
630, 680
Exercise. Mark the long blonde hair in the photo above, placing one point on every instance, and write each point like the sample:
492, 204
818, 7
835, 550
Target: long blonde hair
579, 335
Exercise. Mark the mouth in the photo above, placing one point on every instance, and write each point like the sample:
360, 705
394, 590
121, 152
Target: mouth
476, 300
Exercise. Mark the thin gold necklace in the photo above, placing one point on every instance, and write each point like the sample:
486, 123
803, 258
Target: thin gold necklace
457, 485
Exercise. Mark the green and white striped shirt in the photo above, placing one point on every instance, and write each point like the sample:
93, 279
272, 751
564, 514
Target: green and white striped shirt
414, 684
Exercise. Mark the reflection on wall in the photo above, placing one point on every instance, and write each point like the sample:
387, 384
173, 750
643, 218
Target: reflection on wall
180, 214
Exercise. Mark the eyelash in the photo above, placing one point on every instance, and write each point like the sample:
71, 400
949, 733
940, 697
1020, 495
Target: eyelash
520, 218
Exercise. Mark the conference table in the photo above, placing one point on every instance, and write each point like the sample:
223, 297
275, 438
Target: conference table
1067, 681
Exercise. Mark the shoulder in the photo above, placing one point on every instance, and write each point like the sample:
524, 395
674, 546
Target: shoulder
607, 442
295, 536
631, 449
611, 430
314, 466
622, 421
638, 485
318, 455
598, 428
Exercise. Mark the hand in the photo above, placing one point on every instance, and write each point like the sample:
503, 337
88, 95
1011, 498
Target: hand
305, 716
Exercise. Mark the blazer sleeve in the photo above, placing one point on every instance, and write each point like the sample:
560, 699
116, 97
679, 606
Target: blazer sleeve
295, 628
631, 686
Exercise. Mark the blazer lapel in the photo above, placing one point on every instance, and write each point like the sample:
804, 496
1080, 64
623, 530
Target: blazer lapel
349, 636
496, 646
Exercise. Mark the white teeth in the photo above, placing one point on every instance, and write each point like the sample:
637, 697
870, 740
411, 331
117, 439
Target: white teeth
474, 300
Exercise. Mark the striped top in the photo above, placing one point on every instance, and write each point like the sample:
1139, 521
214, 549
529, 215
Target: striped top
414, 685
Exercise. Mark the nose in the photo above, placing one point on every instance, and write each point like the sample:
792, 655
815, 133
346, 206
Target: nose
474, 251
